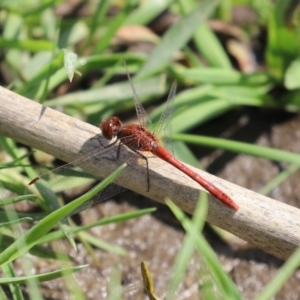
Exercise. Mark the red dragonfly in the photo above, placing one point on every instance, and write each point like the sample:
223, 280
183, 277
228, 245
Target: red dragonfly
138, 139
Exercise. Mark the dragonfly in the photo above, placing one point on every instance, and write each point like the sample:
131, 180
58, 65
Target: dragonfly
139, 140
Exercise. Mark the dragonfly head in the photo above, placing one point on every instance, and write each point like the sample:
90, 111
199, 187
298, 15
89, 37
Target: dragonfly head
110, 127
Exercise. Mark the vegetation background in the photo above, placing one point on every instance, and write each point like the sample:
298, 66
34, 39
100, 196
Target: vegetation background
237, 66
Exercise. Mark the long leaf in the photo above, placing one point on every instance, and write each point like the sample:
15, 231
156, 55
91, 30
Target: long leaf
176, 37
29, 239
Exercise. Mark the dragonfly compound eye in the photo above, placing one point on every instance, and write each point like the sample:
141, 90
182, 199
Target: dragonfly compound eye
110, 127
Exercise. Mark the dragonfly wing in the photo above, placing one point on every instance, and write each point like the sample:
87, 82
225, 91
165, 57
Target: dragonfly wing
163, 127
72, 175
109, 192
69, 176
140, 111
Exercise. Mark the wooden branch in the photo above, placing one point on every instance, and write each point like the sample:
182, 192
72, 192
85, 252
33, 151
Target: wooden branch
264, 222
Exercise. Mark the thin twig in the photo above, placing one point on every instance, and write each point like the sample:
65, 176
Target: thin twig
264, 222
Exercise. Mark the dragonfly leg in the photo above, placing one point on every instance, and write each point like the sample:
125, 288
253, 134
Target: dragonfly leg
118, 152
99, 141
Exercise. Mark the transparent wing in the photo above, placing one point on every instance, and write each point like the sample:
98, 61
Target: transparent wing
140, 111
163, 127
72, 176
109, 192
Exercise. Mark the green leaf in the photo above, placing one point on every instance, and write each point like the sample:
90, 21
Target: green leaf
239, 147
220, 76
113, 93
221, 279
70, 63
175, 38
42, 277
292, 75
188, 245
283, 274
31, 45
147, 11
283, 41
211, 48
114, 219
30, 238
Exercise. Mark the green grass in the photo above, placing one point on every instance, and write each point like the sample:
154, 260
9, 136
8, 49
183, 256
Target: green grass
41, 51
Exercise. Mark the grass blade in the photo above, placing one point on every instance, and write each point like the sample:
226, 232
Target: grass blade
175, 38
31, 237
